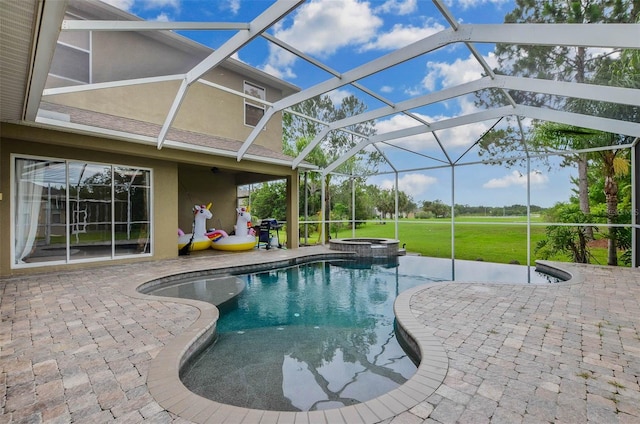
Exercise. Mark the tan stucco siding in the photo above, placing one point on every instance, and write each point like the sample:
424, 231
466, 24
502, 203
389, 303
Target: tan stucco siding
230, 109
142, 102
165, 209
206, 187
127, 55
205, 109
212, 111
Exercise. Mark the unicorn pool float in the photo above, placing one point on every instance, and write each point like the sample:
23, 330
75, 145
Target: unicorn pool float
198, 240
244, 238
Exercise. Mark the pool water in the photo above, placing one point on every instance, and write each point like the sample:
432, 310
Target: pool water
321, 335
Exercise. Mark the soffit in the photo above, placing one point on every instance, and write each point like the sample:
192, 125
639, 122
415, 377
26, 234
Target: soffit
18, 18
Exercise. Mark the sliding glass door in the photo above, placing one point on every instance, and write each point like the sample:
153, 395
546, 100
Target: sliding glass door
40, 211
65, 211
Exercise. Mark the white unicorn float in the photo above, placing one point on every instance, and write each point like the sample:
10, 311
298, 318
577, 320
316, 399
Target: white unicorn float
244, 238
198, 240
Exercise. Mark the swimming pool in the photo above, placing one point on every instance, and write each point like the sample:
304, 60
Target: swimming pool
319, 335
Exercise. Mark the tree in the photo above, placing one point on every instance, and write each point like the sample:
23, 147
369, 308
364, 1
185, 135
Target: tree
437, 207
559, 63
298, 132
615, 163
625, 72
385, 203
568, 240
342, 194
406, 204
270, 200
611, 164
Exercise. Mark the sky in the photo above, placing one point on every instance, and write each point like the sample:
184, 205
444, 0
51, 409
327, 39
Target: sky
344, 34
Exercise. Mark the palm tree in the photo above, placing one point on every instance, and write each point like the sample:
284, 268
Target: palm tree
298, 133
614, 166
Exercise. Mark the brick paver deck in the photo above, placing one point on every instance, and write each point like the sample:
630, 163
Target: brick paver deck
567, 353
77, 346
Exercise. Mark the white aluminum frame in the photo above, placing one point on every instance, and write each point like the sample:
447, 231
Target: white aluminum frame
614, 36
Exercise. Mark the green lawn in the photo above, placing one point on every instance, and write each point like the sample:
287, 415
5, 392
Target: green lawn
491, 239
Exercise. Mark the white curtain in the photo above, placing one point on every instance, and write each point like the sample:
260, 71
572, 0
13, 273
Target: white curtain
29, 184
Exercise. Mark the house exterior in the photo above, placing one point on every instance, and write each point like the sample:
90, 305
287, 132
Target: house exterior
87, 180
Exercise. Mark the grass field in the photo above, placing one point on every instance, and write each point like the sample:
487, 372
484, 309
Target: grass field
491, 239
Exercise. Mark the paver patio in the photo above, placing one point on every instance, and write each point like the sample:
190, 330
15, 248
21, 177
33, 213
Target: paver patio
76, 346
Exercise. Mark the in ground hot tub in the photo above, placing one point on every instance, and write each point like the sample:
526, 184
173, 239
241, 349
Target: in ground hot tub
367, 247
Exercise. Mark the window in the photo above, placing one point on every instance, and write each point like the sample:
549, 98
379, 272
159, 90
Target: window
66, 211
243, 196
253, 112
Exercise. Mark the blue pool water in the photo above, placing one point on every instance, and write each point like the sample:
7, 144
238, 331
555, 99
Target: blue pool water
321, 335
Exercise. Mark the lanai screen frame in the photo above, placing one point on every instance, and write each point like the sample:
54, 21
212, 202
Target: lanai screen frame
634, 225
624, 36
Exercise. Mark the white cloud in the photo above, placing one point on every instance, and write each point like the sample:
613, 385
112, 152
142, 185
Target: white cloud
386, 89
467, 104
321, 28
401, 36
338, 95
415, 185
398, 122
400, 7
517, 179
158, 4
444, 75
280, 63
458, 72
324, 26
233, 6
162, 17
460, 136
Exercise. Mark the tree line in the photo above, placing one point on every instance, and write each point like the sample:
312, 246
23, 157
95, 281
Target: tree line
371, 202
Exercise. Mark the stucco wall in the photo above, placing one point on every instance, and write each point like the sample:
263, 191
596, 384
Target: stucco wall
201, 187
126, 55
204, 109
143, 102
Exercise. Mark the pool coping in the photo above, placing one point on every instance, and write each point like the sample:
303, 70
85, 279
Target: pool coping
165, 386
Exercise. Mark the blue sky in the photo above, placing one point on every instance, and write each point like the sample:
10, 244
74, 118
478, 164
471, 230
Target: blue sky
344, 34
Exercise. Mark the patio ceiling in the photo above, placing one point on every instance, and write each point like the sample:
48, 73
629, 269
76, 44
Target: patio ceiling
30, 29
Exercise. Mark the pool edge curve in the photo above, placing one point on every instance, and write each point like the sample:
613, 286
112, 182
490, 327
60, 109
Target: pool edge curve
165, 386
